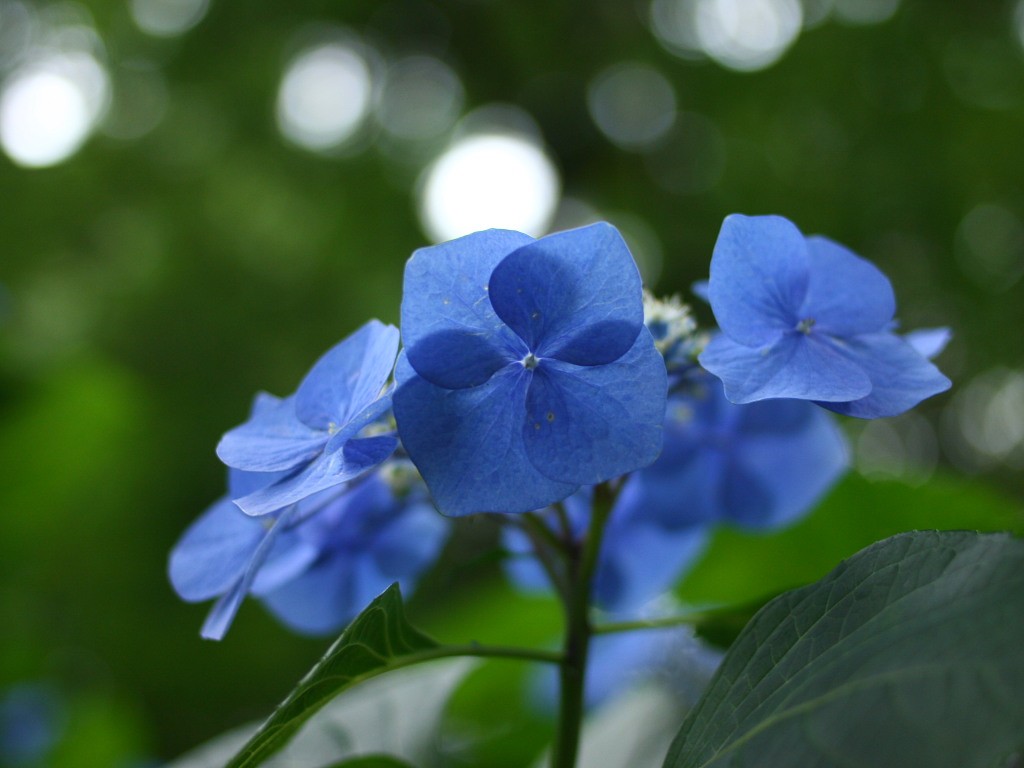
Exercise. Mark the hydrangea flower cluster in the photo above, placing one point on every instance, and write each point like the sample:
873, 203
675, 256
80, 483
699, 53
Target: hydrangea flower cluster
533, 371
804, 318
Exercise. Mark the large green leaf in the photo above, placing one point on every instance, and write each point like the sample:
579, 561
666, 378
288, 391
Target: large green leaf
908, 654
378, 640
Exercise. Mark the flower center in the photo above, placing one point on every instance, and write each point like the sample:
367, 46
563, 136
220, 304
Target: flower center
805, 325
530, 361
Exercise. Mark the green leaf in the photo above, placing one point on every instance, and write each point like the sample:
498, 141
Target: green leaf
378, 640
907, 654
721, 626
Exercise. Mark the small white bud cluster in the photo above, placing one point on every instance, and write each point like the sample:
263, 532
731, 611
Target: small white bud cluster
672, 325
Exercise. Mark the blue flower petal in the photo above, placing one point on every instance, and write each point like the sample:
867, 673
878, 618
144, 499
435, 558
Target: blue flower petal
681, 494
846, 295
769, 419
272, 440
375, 411
900, 377
367, 452
213, 552
929, 342
468, 446
220, 617
329, 595
641, 559
759, 276
330, 469
410, 544
790, 469
758, 465
574, 295
348, 377
241, 483
585, 424
799, 366
450, 332
322, 600
368, 539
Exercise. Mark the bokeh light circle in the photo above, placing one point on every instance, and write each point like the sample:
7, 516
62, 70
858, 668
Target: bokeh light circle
325, 95
49, 107
486, 180
420, 99
167, 18
634, 105
747, 35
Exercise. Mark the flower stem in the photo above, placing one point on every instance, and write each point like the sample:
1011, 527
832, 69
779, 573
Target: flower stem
582, 565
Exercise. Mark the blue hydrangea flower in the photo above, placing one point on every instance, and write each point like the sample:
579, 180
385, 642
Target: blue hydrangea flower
760, 465
803, 317
313, 437
366, 540
315, 564
527, 370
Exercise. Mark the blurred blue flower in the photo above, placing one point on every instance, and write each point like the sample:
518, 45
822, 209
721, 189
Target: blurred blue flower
313, 437
315, 564
760, 465
366, 539
527, 371
619, 661
803, 317
31, 722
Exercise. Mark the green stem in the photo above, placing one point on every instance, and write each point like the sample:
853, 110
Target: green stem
582, 567
483, 651
546, 546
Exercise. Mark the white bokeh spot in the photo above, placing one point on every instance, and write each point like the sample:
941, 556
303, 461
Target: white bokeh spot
50, 106
487, 180
325, 96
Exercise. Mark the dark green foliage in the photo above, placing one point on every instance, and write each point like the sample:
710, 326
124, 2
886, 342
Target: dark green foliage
906, 654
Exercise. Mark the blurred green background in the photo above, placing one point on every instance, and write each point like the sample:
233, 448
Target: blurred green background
198, 198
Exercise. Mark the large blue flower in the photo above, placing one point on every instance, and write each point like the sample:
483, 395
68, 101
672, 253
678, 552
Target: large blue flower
803, 317
528, 371
313, 437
